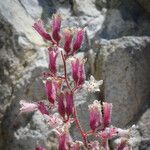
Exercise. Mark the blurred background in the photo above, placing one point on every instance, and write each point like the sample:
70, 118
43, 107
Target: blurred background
117, 48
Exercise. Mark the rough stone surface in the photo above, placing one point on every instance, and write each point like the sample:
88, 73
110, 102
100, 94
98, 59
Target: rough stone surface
23, 58
123, 64
144, 126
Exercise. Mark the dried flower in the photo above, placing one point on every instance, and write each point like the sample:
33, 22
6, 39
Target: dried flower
39, 27
95, 115
28, 107
50, 91
92, 85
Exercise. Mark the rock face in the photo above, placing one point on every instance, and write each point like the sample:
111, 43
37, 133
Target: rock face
122, 63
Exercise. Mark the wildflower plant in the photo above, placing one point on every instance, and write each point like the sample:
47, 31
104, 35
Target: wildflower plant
60, 94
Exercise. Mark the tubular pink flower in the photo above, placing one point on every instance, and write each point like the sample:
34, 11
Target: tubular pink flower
61, 105
68, 40
56, 23
52, 61
28, 107
95, 115
107, 108
79, 40
40, 148
39, 27
69, 103
75, 70
64, 141
42, 108
78, 71
82, 75
50, 91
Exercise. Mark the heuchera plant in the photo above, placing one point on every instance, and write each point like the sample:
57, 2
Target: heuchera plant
60, 93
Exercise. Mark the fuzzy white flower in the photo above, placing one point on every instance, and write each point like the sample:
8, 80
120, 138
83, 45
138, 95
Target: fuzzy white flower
92, 85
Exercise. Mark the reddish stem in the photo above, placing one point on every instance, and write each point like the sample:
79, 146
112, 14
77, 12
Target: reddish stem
65, 71
83, 134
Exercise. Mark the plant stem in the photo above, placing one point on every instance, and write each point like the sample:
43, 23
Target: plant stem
84, 136
65, 71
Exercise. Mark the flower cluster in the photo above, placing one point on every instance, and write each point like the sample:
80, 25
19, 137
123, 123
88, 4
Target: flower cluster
60, 90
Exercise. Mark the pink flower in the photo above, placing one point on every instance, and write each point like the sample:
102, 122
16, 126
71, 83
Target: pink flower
50, 91
95, 115
75, 70
82, 75
78, 71
61, 105
56, 23
28, 107
79, 40
64, 141
94, 145
40, 148
52, 61
68, 40
108, 133
107, 108
42, 108
69, 103
39, 27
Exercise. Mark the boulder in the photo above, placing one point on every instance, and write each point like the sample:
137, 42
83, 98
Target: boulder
123, 64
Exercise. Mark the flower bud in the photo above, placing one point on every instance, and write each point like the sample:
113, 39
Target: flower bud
79, 40
61, 105
69, 103
42, 108
50, 91
82, 75
68, 40
95, 115
39, 27
28, 107
107, 108
56, 23
75, 70
52, 61
78, 71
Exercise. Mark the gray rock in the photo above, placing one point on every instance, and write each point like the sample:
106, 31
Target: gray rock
145, 4
123, 64
144, 128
